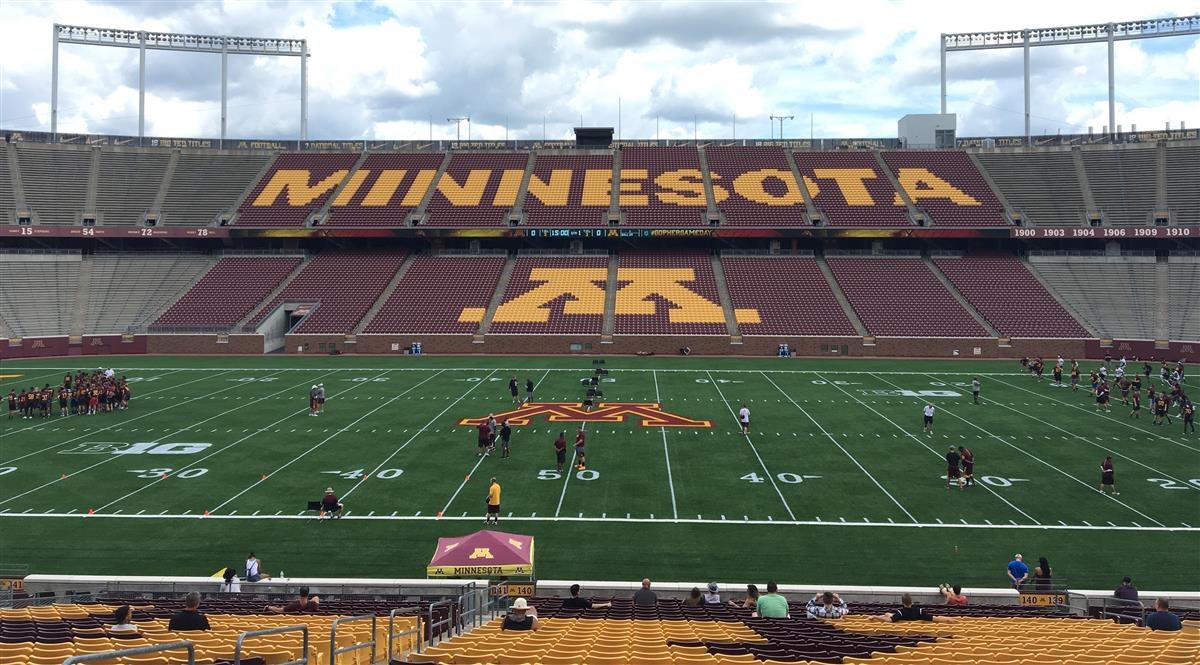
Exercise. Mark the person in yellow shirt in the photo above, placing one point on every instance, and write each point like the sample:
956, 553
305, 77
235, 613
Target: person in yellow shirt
493, 503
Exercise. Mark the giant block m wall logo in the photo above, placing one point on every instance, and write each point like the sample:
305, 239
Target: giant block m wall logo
650, 414
374, 188
582, 292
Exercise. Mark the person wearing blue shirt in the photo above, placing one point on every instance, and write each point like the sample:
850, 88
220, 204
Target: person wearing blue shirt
1163, 618
1018, 572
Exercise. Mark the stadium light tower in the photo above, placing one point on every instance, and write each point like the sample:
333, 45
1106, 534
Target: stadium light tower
1091, 33
780, 118
144, 40
458, 123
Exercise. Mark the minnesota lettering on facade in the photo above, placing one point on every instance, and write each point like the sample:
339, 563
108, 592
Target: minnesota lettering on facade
650, 414
498, 188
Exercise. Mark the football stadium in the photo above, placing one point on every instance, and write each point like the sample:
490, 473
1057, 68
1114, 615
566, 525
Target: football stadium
923, 398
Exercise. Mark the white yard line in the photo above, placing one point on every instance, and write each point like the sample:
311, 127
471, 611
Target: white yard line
1094, 445
1104, 416
20, 381
766, 471
111, 458
123, 422
249, 436
666, 451
839, 446
629, 520
552, 369
925, 445
134, 398
327, 439
412, 438
1035, 458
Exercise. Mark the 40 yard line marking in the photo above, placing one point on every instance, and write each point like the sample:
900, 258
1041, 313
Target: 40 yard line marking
834, 440
666, 451
766, 471
628, 520
924, 445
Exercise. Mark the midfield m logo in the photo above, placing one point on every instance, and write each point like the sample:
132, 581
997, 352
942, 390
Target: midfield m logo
649, 413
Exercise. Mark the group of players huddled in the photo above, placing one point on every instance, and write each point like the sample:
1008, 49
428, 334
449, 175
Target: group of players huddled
1170, 394
79, 394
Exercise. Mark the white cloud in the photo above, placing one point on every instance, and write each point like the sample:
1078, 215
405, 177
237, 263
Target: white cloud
383, 69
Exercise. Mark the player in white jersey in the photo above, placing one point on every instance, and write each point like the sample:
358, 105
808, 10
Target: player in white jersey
744, 419
929, 419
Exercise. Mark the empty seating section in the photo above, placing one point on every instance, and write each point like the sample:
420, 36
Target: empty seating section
127, 290
1183, 296
342, 285
440, 294
48, 635
755, 187
229, 291
667, 294
1042, 185
1183, 172
37, 292
569, 190
55, 179
1011, 299
1089, 286
477, 189
1124, 183
7, 197
790, 294
385, 189
673, 181
900, 297
206, 184
128, 183
955, 195
295, 186
554, 295
851, 189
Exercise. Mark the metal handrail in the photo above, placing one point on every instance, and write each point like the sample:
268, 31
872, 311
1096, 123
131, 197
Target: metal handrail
136, 651
434, 625
334, 651
237, 649
392, 634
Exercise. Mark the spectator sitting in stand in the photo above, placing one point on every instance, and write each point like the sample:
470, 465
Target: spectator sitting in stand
302, 603
694, 598
575, 602
123, 618
190, 617
644, 595
908, 612
772, 605
1127, 592
826, 606
711, 597
1162, 618
953, 594
522, 617
751, 601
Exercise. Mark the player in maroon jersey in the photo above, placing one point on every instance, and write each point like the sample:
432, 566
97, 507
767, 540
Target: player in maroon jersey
968, 464
1106, 476
12, 403
560, 450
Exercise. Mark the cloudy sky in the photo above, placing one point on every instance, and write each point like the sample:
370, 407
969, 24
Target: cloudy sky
386, 68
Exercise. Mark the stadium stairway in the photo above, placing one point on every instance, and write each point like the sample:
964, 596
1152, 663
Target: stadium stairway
82, 294
497, 298
1087, 325
610, 301
710, 211
731, 324
421, 214
914, 214
274, 293
1009, 211
384, 295
841, 298
810, 208
355, 176
966, 305
1091, 210
518, 211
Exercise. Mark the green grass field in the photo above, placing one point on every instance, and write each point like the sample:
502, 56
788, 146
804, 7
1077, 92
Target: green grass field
836, 482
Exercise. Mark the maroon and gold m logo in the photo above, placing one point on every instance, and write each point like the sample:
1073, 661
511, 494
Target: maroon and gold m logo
650, 414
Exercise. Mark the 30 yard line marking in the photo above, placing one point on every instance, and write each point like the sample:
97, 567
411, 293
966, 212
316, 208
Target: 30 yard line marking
327, 439
251, 435
1085, 440
834, 440
115, 457
766, 471
666, 451
631, 520
138, 417
1106, 417
923, 444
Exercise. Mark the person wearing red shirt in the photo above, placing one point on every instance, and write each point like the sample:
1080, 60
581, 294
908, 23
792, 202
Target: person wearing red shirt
560, 449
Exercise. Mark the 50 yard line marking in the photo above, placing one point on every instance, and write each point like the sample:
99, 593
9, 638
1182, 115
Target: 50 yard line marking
766, 471
923, 444
666, 452
834, 441
327, 439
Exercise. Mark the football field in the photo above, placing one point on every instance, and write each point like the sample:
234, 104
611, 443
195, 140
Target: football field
835, 482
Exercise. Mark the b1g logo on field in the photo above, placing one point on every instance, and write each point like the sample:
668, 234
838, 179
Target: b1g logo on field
139, 448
